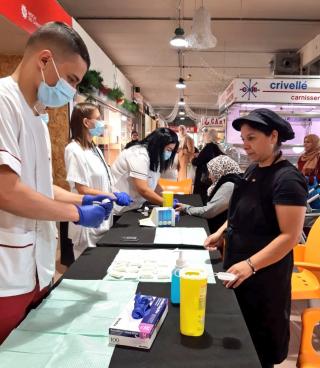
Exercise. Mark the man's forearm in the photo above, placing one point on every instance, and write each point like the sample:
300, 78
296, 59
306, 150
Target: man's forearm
25, 202
63, 195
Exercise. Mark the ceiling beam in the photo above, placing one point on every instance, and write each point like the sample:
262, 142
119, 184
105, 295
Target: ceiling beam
191, 66
213, 19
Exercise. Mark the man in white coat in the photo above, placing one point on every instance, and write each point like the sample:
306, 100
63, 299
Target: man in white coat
54, 62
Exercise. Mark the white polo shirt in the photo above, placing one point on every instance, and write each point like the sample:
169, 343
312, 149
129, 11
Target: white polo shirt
87, 167
27, 246
133, 162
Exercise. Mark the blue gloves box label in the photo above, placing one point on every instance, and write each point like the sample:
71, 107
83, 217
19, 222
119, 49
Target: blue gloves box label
139, 333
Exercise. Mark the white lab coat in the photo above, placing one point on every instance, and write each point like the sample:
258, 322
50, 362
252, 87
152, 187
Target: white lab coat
133, 162
27, 246
87, 167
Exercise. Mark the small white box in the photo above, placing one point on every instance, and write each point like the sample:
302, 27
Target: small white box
138, 333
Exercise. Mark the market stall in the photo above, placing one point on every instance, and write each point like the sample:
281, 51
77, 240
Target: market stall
296, 98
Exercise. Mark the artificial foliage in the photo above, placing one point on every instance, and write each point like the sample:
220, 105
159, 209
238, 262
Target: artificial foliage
115, 94
130, 106
91, 81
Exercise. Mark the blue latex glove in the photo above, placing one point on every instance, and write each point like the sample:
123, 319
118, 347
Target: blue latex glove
108, 206
141, 306
175, 202
123, 199
93, 216
88, 199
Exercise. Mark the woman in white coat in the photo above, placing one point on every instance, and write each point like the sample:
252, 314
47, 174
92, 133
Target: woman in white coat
137, 169
88, 172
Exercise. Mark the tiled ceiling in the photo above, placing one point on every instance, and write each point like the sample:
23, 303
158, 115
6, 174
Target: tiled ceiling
135, 34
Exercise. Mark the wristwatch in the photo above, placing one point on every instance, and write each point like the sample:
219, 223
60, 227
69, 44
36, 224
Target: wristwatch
251, 266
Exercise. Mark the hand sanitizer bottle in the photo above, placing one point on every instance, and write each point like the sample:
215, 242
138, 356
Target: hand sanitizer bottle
175, 279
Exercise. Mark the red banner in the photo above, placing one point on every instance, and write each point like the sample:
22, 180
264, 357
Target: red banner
31, 14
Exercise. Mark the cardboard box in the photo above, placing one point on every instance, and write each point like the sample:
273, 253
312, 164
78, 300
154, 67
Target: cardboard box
139, 333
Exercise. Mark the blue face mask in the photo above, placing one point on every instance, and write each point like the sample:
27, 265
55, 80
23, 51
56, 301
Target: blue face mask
166, 155
45, 118
98, 129
58, 95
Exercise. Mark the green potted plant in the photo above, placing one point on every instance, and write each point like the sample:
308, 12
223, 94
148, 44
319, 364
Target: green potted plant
115, 94
91, 82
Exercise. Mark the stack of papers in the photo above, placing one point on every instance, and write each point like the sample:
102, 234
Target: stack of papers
180, 235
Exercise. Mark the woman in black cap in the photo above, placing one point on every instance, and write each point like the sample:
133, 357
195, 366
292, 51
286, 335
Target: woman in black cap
265, 222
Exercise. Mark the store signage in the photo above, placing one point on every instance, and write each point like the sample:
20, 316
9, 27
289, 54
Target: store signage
284, 90
212, 122
190, 129
31, 14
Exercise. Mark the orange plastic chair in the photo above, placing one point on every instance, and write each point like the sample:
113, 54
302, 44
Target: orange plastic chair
178, 187
306, 282
308, 357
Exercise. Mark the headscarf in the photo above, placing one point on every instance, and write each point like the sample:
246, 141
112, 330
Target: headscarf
311, 158
220, 166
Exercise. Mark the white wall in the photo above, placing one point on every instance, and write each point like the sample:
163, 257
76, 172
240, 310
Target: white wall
101, 62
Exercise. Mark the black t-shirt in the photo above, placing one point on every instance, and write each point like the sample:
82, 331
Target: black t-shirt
278, 184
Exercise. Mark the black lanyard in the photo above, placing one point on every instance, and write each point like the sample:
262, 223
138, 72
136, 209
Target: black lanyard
97, 153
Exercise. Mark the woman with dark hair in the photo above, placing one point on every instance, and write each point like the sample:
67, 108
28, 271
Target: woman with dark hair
202, 181
137, 169
265, 221
88, 172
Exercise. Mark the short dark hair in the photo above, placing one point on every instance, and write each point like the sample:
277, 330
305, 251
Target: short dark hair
155, 143
61, 38
78, 130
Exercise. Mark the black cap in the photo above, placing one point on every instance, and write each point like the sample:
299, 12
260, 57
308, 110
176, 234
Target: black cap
267, 118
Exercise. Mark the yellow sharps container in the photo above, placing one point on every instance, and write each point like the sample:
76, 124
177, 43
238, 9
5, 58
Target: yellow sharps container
193, 293
167, 199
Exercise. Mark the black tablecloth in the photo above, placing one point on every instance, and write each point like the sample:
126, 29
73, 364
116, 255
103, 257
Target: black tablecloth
128, 225
226, 342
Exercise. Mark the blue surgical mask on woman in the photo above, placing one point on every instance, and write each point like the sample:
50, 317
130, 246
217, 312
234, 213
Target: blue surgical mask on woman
98, 129
166, 155
58, 95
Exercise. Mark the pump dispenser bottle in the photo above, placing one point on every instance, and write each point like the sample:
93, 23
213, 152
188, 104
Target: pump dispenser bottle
175, 279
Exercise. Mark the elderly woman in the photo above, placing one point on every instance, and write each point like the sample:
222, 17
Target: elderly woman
221, 171
210, 150
309, 162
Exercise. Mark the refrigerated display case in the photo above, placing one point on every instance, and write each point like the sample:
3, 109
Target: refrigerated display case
295, 98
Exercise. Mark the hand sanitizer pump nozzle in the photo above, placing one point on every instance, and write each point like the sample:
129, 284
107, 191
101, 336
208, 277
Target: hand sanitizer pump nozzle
175, 279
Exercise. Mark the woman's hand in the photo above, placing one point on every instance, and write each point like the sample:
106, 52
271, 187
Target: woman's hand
214, 241
181, 207
242, 270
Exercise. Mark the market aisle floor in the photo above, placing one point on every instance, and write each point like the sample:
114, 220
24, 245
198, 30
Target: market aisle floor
295, 326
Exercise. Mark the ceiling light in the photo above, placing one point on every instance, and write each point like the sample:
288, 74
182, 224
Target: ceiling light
181, 84
124, 118
181, 102
182, 118
181, 112
178, 40
201, 37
